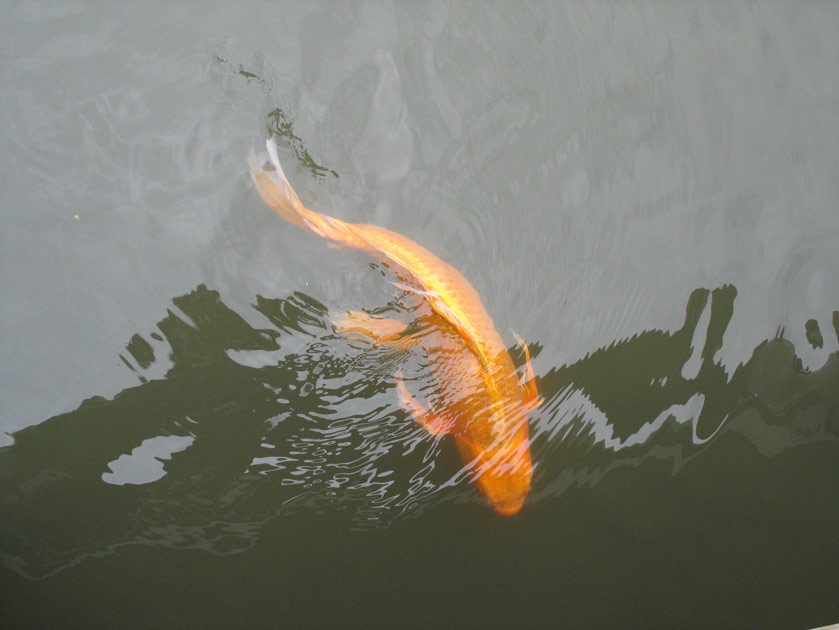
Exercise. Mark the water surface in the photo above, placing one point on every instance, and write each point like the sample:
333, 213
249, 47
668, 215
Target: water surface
647, 193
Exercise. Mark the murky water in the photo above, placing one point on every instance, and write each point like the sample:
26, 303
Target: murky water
647, 193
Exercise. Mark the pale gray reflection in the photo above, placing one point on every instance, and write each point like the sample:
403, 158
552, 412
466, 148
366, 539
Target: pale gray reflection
575, 411
145, 463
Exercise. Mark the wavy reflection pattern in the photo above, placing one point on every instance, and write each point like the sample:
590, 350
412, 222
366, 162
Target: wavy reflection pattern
251, 423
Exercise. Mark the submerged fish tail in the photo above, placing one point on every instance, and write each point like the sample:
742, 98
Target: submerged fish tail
277, 192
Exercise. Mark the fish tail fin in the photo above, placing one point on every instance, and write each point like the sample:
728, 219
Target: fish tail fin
275, 189
277, 192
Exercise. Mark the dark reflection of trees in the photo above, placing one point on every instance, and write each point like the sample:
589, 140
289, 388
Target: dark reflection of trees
641, 388
292, 417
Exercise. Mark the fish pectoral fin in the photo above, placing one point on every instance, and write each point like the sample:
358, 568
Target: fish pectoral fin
377, 330
532, 399
435, 425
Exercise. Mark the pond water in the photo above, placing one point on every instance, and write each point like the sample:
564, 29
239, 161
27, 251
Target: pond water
648, 193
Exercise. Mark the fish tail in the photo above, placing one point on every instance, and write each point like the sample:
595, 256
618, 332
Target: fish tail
275, 189
277, 192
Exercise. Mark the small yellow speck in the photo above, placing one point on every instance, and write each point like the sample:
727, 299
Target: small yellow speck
76, 218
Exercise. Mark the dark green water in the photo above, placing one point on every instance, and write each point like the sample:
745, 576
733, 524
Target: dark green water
647, 193
295, 503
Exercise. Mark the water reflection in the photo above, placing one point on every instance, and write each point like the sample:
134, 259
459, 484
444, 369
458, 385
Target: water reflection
665, 396
249, 423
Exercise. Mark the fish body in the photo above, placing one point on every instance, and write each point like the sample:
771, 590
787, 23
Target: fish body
481, 402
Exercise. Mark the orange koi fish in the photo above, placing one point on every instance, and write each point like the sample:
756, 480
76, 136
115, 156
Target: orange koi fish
481, 401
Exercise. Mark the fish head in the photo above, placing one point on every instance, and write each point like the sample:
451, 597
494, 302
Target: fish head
503, 471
